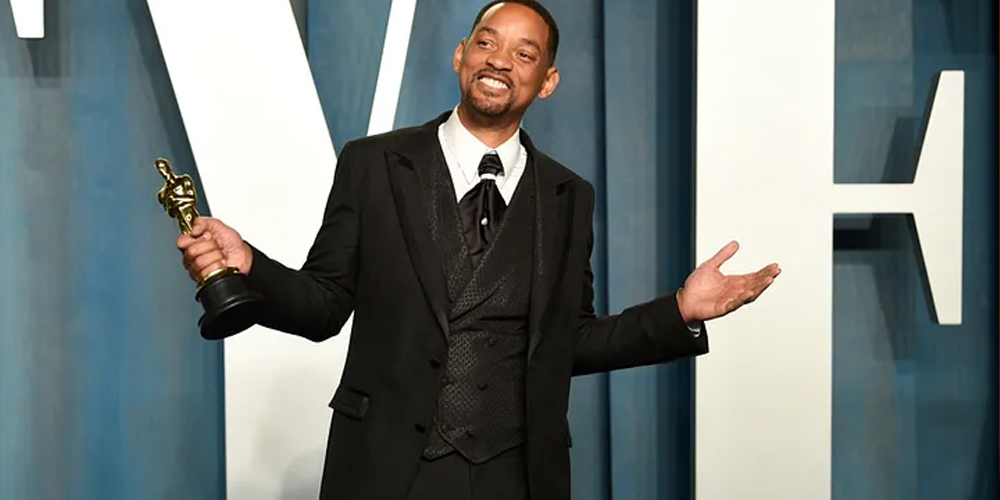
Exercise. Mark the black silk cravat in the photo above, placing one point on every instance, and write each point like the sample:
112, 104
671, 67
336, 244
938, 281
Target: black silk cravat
482, 208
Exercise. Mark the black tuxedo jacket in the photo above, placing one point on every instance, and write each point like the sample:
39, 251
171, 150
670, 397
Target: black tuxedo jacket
374, 256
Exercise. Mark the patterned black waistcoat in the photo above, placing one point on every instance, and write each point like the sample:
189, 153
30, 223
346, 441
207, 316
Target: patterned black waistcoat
480, 408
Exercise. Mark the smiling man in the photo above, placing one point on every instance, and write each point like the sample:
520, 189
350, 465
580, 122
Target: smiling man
464, 253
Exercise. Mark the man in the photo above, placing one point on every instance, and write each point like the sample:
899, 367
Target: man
464, 254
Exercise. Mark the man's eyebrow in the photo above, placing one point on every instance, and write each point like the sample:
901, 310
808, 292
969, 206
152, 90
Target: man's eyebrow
489, 30
526, 41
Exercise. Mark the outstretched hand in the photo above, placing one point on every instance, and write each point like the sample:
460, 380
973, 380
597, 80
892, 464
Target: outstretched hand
709, 294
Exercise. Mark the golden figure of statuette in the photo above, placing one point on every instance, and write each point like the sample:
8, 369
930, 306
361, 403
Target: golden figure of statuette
229, 304
177, 196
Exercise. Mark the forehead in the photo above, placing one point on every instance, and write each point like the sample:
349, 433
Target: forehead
515, 20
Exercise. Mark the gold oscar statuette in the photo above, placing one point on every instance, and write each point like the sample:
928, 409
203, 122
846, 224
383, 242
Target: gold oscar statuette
228, 302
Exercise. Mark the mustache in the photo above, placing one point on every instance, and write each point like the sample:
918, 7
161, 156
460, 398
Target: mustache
495, 75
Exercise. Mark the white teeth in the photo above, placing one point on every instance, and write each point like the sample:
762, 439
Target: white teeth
497, 84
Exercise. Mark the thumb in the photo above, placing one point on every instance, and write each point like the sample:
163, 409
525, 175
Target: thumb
204, 224
199, 226
723, 255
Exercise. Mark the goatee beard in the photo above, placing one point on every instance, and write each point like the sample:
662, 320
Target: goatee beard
485, 108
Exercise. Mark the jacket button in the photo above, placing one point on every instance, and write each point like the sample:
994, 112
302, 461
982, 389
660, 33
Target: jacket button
492, 341
435, 364
482, 386
419, 428
471, 434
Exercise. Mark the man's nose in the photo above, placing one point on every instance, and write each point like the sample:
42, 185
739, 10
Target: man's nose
499, 60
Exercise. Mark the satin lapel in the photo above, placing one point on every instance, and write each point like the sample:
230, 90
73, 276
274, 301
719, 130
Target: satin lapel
410, 170
551, 230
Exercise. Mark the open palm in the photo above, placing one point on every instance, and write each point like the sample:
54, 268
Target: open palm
708, 293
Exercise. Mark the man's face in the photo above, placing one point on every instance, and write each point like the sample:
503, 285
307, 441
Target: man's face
505, 62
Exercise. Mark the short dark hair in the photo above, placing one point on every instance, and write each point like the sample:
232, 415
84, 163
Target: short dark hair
540, 10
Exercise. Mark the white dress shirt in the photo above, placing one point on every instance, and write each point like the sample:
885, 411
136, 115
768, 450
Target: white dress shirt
463, 152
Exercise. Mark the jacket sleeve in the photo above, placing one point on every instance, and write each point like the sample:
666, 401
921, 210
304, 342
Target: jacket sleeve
315, 301
644, 334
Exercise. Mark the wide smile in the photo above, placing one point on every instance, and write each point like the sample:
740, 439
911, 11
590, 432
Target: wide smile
494, 84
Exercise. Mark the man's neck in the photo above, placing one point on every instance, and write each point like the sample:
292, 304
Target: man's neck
490, 133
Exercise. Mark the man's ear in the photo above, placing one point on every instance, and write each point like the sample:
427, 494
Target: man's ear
456, 59
550, 84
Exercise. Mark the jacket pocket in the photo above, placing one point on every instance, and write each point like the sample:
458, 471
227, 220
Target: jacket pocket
350, 403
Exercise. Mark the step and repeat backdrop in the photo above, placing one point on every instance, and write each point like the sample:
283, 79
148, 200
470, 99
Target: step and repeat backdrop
852, 141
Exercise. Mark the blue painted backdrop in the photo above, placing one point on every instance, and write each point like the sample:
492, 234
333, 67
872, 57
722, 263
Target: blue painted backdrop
106, 391
915, 403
